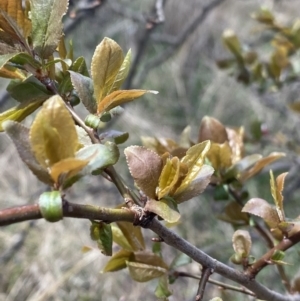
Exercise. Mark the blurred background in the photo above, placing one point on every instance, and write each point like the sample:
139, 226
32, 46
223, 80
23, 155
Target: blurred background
175, 46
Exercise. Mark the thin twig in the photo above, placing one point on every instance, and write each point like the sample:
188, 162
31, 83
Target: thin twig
223, 285
206, 272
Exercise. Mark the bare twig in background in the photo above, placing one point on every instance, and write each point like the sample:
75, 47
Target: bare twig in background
19, 241
156, 17
79, 12
180, 39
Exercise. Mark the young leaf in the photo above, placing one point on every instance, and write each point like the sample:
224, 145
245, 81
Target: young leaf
191, 187
122, 73
220, 155
19, 112
145, 167
20, 137
84, 87
99, 156
46, 17
11, 72
165, 208
120, 97
141, 272
236, 143
133, 235
263, 209
53, 135
117, 262
66, 169
106, 62
212, 129
241, 242
50, 205
260, 164
102, 234
233, 44
117, 136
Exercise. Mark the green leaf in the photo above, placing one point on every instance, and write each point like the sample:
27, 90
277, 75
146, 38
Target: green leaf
162, 290
148, 258
19, 112
166, 208
53, 135
99, 157
20, 137
120, 239
51, 206
106, 63
117, 262
122, 73
46, 18
180, 260
233, 214
141, 272
4, 58
84, 87
241, 242
102, 234
120, 97
28, 90
133, 235
145, 167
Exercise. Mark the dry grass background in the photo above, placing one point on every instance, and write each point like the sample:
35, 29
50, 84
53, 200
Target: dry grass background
50, 264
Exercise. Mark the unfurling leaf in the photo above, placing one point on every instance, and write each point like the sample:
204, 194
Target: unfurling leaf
53, 135
106, 63
169, 177
84, 87
141, 272
20, 137
212, 129
241, 242
166, 208
46, 17
145, 167
51, 206
148, 258
102, 234
119, 238
120, 97
276, 191
220, 155
117, 261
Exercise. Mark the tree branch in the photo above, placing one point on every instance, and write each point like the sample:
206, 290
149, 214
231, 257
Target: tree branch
206, 272
30, 212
